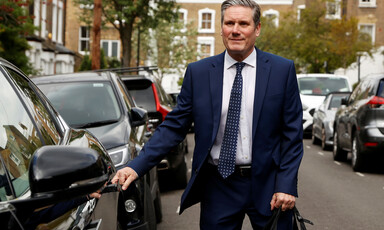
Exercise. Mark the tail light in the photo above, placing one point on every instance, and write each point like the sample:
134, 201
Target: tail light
164, 111
375, 102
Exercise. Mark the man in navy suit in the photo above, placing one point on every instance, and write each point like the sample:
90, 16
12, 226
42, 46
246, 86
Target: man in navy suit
261, 173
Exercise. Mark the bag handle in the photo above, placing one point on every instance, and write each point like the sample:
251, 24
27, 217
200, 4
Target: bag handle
297, 221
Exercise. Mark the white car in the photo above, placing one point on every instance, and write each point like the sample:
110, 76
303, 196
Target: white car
313, 89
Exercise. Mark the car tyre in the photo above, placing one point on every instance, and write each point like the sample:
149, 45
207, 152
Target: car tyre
158, 208
357, 160
149, 211
181, 175
338, 153
324, 146
315, 140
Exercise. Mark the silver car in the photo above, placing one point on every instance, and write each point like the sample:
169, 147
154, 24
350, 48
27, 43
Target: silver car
323, 118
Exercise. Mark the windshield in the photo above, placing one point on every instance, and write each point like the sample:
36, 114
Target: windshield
81, 103
322, 85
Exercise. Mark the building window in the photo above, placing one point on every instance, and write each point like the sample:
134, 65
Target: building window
368, 29
183, 17
300, 9
111, 48
84, 39
333, 9
273, 15
206, 21
205, 47
367, 3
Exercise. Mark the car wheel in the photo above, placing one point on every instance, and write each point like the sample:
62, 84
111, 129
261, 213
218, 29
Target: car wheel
357, 158
338, 153
315, 140
158, 208
181, 175
149, 211
324, 146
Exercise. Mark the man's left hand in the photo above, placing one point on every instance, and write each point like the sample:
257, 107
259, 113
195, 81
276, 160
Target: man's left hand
283, 200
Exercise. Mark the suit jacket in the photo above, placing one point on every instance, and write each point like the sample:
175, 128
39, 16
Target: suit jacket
277, 127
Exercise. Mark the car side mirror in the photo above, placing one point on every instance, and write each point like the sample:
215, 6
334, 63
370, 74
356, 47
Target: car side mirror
344, 101
139, 116
64, 172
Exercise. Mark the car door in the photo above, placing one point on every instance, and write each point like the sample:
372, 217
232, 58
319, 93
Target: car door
27, 123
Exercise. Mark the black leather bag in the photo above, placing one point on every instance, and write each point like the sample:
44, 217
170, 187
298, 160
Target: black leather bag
298, 221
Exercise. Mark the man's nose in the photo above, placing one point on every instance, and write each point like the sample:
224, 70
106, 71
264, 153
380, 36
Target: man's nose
236, 29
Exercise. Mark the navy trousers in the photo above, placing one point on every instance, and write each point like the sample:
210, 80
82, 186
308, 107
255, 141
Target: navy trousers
225, 202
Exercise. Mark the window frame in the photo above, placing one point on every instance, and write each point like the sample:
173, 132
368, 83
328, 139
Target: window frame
206, 30
367, 4
205, 41
86, 39
110, 43
373, 34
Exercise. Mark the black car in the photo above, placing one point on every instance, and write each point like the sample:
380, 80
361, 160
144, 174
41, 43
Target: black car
99, 102
148, 93
359, 124
47, 169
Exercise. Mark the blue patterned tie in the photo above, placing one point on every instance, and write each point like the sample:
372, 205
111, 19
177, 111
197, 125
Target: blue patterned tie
227, 156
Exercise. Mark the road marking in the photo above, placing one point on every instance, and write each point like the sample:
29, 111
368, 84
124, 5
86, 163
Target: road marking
320, 153
308, 147
338, 163
360, 174
178, 209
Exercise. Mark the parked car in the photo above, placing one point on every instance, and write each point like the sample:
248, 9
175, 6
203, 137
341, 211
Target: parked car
150, 95
313, 88
99, 102
46, 167
323, 118
359, 124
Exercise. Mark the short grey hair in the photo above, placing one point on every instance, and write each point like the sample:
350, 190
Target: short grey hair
246, 3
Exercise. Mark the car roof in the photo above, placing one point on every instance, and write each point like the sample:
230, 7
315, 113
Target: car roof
321, 75
73, 77
136, 77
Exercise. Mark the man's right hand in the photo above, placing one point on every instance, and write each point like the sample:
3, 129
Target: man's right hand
125, 176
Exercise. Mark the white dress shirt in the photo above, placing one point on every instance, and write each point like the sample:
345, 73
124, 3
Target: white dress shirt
244, 142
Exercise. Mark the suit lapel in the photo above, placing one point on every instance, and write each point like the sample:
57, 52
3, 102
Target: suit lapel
216, 75
262, 77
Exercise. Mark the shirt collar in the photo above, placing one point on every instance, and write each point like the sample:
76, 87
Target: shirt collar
250, 60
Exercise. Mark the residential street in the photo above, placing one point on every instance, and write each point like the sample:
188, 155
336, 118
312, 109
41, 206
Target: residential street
331, 195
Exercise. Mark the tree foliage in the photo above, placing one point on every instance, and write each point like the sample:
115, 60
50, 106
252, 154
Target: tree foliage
15, 25
128, 15
175, 45
315, 43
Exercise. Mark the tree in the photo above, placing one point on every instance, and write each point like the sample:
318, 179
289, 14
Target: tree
315, 43
126, 15
15, 25
175, 45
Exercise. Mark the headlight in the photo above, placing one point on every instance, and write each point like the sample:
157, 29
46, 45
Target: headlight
119, 155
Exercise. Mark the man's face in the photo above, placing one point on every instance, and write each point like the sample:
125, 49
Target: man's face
239, 32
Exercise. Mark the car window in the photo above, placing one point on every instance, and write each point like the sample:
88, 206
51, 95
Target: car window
127, 100
46, 123
142, 92
81, 103
322, 85
380, 90
364, 90
335, 101
19, 139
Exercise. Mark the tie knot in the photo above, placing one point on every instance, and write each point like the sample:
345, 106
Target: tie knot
239, 66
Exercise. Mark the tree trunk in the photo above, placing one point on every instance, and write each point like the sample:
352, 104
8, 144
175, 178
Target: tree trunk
126, 37
96, 35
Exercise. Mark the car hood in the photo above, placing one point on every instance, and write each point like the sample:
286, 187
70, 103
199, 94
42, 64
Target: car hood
112, 135
311, 101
